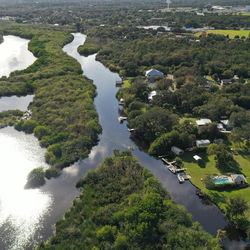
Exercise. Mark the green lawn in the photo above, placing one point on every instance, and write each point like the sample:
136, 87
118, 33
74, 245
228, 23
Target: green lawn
127, 82
231, 33
192, 119
208, 168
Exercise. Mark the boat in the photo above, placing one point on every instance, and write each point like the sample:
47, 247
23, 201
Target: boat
122, 118
180, 178
172, 169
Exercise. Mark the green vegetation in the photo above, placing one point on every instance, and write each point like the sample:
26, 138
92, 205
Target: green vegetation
192, 65
63, 112
89, 47
230, 33
10, 117
235, 210
35, 178
207, 168
122, 206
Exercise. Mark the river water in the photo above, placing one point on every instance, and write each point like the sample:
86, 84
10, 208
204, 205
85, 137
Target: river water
56, 196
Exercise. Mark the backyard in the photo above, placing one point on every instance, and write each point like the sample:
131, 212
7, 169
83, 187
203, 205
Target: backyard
208, 167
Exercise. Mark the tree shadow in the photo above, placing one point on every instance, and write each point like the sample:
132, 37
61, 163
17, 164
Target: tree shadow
217, 197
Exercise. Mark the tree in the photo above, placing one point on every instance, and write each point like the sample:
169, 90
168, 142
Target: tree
35, 178
236, 206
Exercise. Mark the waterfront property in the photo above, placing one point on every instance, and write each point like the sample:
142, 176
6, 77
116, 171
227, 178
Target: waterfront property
237, 179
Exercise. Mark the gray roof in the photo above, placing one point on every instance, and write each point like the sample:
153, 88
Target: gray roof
154, 72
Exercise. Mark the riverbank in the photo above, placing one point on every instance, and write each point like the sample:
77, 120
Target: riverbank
102, 212
115, 135
183, 98
63, 114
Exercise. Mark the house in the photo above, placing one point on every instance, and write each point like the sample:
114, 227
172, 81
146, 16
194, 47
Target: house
177, 150
200, 143
239, 179
225, 123
203, 122
151, 95
153, 74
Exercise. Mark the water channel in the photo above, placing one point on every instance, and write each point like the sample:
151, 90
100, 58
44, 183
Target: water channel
23, 229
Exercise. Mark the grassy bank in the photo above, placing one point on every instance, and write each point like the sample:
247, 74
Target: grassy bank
208, 167
63, 113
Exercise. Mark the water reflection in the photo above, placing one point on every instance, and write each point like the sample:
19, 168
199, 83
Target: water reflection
15, 102
14, 55
21, 211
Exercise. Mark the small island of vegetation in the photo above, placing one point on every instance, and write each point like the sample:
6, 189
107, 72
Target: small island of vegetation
36, 178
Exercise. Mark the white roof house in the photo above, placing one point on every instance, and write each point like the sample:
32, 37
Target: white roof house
200, 143
151, 95
238, 178
203, 122
225, 123
177, 150
152, 74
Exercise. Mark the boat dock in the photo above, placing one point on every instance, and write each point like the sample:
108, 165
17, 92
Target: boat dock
118, 83
122, 118
174, 169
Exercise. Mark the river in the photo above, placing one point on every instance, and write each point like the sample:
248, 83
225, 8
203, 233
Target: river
56, 196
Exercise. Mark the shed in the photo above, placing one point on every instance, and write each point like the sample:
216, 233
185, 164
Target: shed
151, 95
203, 122
177, 150
197, 157
200, 143
153, 74
239, 179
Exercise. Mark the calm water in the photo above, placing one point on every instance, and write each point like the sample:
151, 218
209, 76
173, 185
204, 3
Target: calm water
21, 211
49, 203
14, 55
15, 102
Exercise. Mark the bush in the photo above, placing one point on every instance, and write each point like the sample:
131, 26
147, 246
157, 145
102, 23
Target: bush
41, 131
28, 126
51, 172
50, 158
35, 178
209, 183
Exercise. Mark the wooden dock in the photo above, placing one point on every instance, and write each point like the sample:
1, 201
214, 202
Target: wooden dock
122, 118
166, 161
118, 83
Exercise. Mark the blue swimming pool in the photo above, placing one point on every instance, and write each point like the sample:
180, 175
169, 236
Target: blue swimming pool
222, 181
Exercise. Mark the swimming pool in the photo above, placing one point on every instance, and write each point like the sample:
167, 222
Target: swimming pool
222, 181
